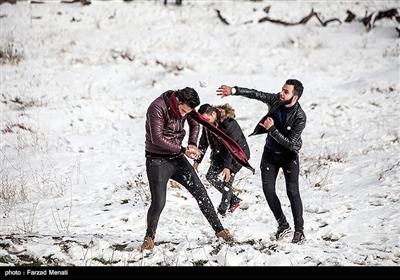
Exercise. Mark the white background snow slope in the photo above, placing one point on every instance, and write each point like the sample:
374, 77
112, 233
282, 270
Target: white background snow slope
74, 93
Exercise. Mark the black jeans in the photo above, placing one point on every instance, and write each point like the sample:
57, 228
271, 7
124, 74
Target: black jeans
271, 162
228, 198
159, 171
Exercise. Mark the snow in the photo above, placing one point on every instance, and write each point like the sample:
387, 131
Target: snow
74, 188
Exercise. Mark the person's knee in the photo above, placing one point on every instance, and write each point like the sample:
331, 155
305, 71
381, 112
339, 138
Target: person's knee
293, 193
158, 206
269, 189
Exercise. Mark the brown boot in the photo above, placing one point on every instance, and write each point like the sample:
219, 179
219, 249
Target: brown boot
148, 244
226, 235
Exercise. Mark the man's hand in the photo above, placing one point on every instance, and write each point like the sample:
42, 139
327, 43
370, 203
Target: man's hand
267, 123
193, 152
227, 174
196, 166
224, 91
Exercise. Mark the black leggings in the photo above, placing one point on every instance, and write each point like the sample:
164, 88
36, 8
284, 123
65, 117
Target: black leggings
270, 165
159, 171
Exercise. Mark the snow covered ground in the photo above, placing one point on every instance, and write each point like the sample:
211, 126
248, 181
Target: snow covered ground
74, 92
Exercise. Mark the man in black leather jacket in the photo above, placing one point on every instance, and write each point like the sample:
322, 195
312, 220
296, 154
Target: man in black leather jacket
284, 123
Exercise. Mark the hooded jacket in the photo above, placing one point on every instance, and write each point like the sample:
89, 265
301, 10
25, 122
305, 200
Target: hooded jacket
164, 132
295, 123
219, 151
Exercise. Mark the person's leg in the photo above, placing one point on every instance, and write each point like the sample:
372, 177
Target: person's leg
186, 176
234, 198
227, 195
228, 198
269, 172
212, 176
291, 171
158, 174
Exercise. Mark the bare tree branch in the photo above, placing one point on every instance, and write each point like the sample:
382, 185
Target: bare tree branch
302, 21
220, 16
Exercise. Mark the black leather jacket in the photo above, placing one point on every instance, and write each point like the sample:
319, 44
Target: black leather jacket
296, 119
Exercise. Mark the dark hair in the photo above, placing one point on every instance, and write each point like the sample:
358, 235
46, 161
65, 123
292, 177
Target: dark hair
206, 108
297, 87
189, 97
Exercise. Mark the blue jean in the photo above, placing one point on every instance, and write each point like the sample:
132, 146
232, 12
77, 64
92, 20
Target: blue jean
159, 171
271, 162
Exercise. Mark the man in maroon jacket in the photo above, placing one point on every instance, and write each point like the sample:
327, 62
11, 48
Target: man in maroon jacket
165, 158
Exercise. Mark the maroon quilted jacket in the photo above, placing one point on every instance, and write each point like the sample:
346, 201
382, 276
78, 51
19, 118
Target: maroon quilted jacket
164, 132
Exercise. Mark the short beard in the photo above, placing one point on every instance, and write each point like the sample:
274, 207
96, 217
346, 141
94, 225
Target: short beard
285, 102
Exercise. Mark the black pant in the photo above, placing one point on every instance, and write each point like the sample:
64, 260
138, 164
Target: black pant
159, 171
271, 162
228, 198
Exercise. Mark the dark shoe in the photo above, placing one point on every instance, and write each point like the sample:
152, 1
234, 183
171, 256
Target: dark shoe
221, 211
148, 244
235, 205
298, 237
282, 231
225, 235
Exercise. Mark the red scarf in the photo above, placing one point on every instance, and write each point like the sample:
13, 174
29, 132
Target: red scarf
173, 105
233, 147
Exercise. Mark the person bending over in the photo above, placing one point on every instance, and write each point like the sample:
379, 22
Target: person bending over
166, 158
221, 161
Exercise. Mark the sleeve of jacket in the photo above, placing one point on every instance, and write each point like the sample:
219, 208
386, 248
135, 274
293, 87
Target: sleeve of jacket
265, 97
156, 116
292, 140
203, 145
194, 130
234, 131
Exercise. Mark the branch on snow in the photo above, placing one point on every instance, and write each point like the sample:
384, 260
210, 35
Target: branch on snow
370, 20
83, 2
220, 16
8, 1
303, 21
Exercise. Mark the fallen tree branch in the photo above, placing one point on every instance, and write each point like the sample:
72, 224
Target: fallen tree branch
302, 21
221, 18
370, 20
83, 2
8, 1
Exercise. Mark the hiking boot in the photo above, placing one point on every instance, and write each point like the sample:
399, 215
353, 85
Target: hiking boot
282, 231
148, 244
226, 235
298, 237
235, 205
